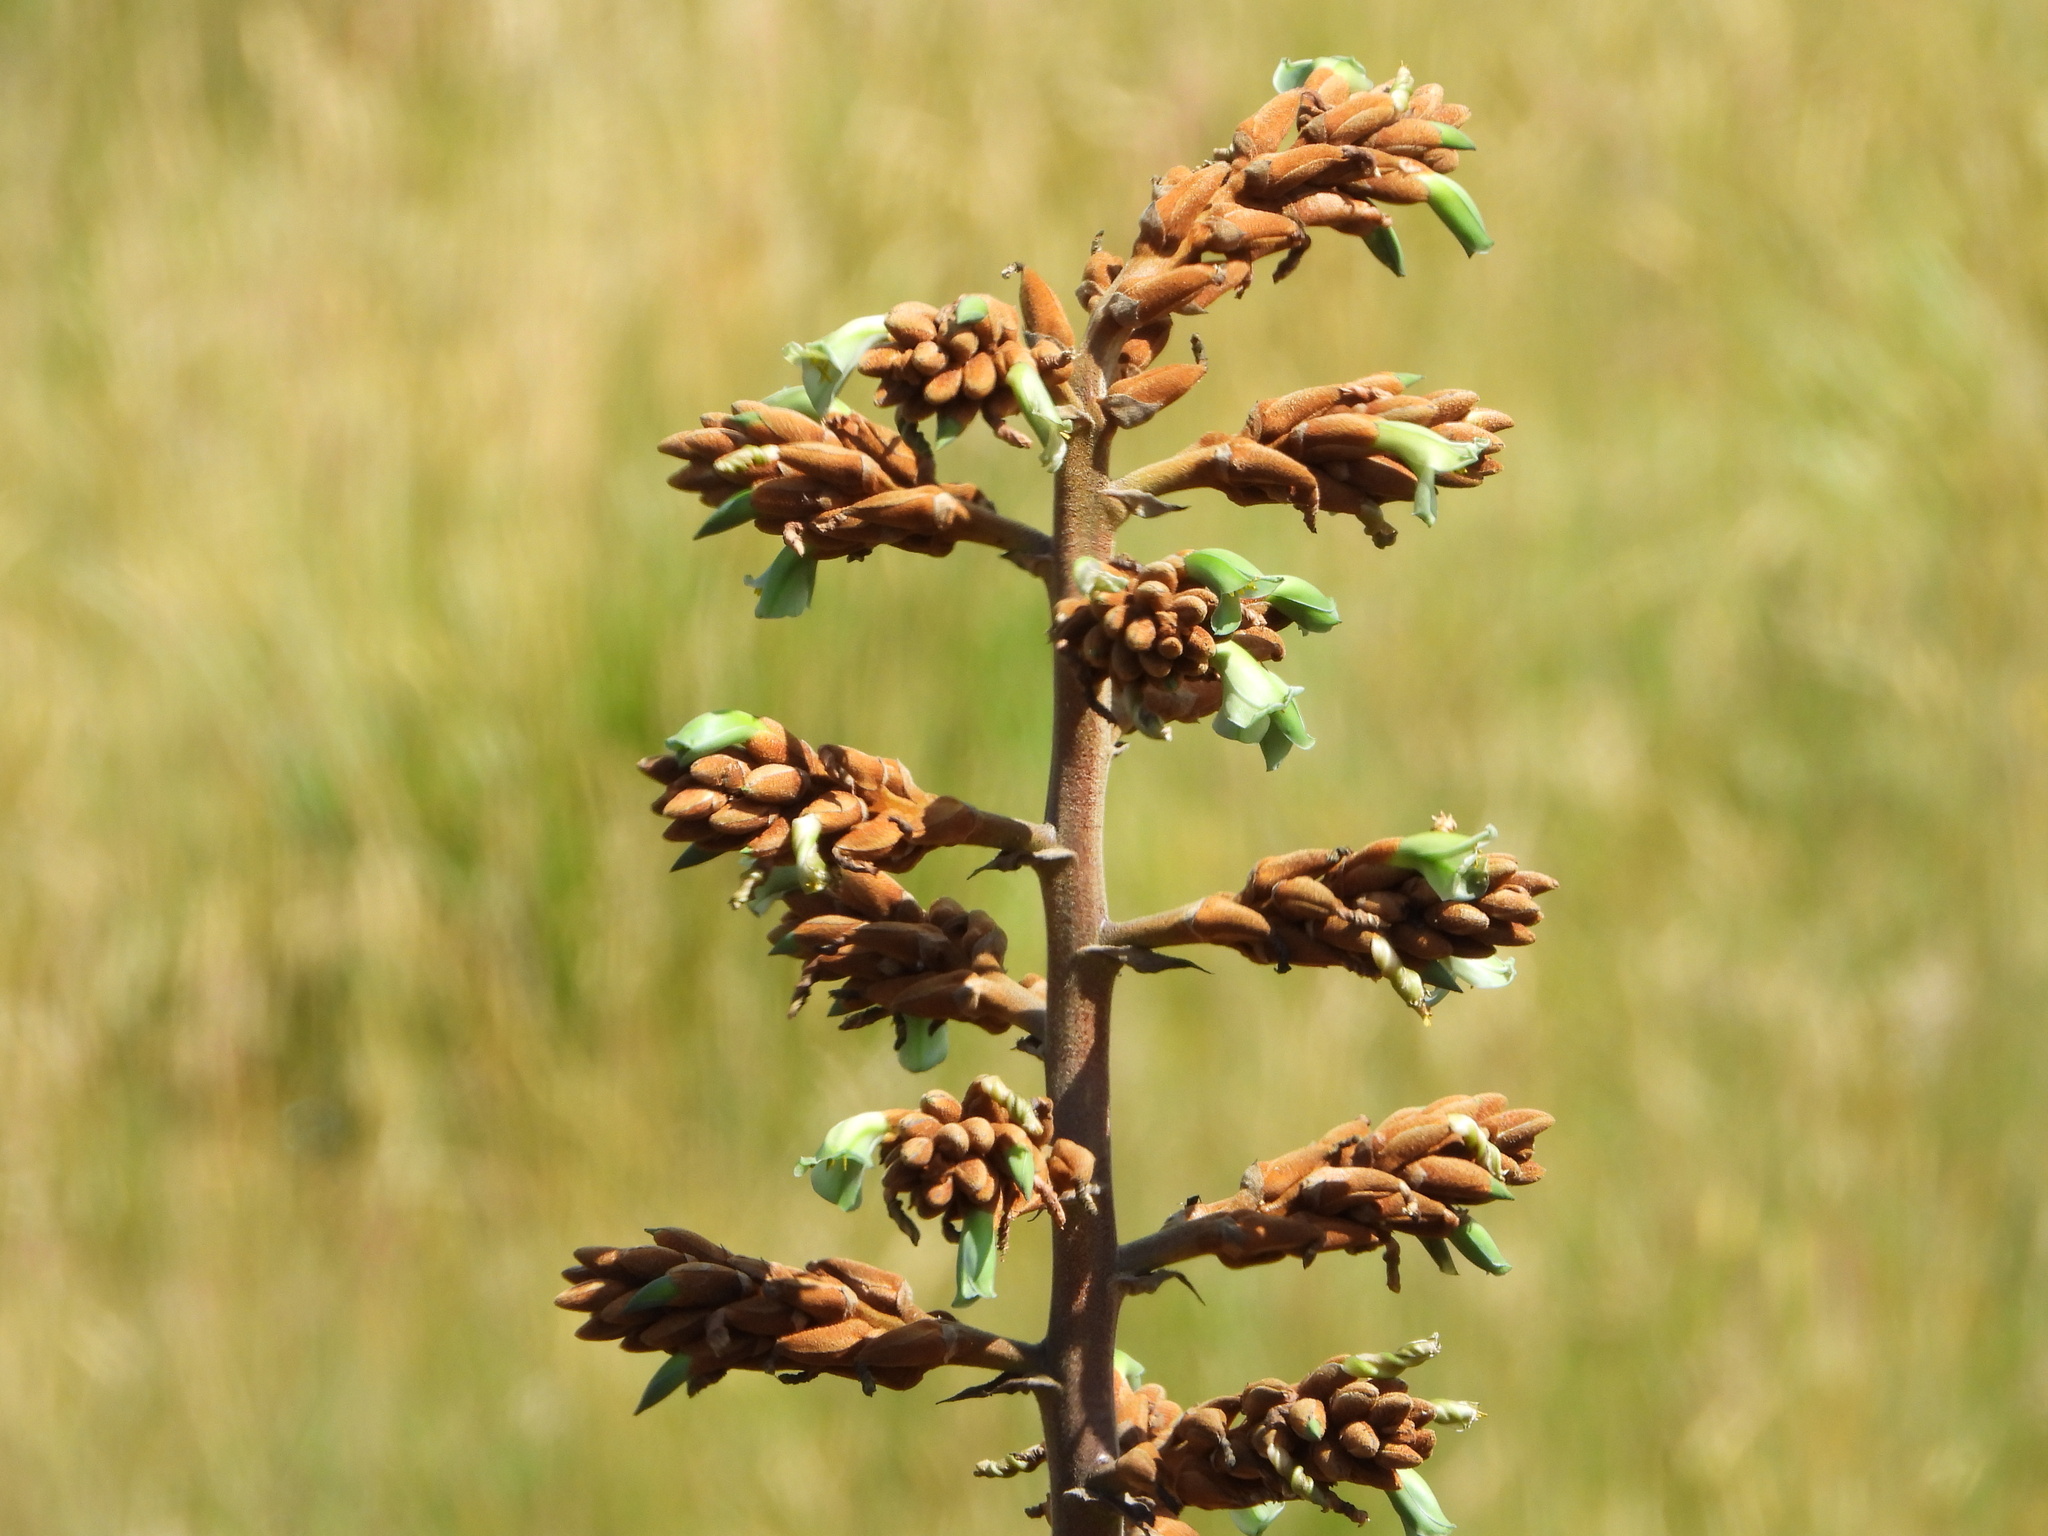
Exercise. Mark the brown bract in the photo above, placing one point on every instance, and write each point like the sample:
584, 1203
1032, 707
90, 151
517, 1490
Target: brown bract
1153, 643
831, 490
871, 813
937, 364
683, 1294
1208, 225
1355, 1187
1328, 906
952, 1157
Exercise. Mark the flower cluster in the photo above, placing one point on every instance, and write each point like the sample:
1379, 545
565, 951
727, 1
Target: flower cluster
1188, 637
1343, 448
1355, 1188
1355, 146
1429, 913
1351, 1420
731, 780
976, 356
973, 1164
713, 1311
894, 957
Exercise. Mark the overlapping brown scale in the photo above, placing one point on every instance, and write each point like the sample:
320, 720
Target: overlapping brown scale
873, 815
1153, 640
892, 956
1326, 906
835, 489
683, 1294
1277, 1440
948, 1158
1354, 1188
1208, 225
936, 363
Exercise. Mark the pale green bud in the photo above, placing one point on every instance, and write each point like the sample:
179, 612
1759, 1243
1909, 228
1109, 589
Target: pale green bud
1023, 1167
1401, 87
924, 1043
733, 512
1257, 705
1420, 1513
1461, 975
974, 1270
1439, 1253
945, 429
973, 307
1040, 414
1396, 1361
1284, 733
712, 731
1477, 1142
827, 362
1453, 865
843, 1158
1450, 202
786, 586
776, 884
1459, 1415
1259, 1518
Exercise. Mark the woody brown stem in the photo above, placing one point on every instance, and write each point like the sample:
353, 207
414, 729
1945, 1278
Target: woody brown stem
1080, 1343
1179, 1241
1159, 930
1027, 546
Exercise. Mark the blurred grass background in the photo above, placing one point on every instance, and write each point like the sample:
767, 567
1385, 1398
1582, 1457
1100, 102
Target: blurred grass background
342, 990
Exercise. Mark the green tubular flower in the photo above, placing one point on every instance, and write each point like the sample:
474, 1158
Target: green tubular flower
658, 1292
1426, 455
1132, 1371
843, 1158
1395, 1361
827, 362
733, 512
1040, 414
1457, 1414
924, 1043
1458, 974
974, 1272
1453, 865
669, 1375
945, 430
786, 586
1293, 73
1304, 604
1231, 577
712, 731
1439, 1253
1477, 1244
1449, 201
1258, 706
1420, 1513
1256, 1520
1385, 246
970, 309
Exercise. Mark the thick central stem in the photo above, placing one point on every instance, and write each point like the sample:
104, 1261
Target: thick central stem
1080, 1419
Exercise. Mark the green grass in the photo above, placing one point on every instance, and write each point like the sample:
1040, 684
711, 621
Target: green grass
342, 990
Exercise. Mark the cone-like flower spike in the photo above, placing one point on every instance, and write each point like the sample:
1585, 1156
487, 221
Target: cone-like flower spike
1357, 1190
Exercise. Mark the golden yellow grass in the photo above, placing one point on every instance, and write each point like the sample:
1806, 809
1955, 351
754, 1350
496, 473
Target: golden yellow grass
341, 986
